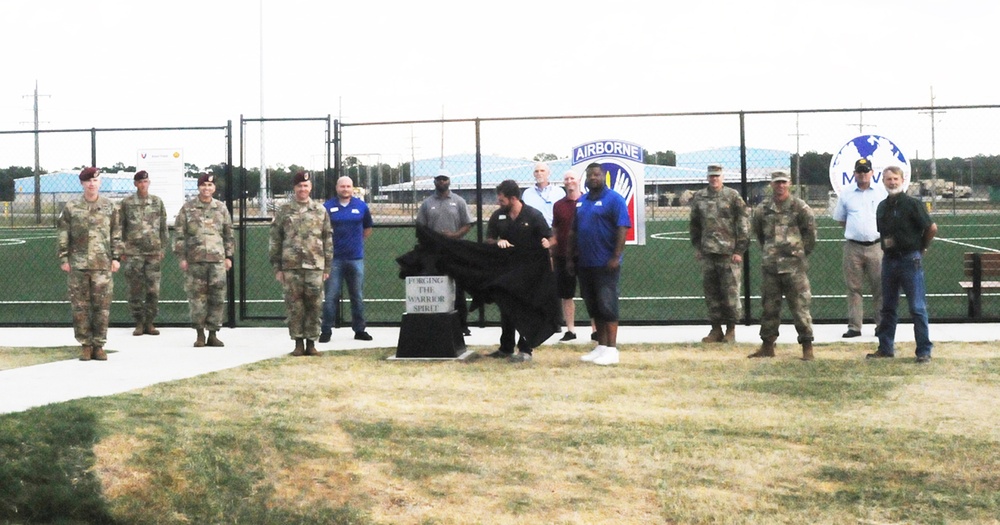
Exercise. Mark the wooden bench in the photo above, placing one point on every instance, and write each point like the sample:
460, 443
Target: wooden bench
977, 266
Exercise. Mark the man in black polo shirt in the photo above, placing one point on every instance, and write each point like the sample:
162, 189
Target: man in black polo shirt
515, 226
906, 231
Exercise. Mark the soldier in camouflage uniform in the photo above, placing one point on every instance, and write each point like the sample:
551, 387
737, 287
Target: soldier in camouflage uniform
144, 232
786, 229
89, 243
720, 233
203, 243
301, 253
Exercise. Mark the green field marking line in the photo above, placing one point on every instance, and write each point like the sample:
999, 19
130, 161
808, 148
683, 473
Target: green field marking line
676, 236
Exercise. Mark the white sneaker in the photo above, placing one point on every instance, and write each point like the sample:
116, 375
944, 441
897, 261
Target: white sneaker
595, 353
609, 357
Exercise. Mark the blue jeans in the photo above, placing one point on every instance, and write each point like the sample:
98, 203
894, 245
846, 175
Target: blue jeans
351, 272
905, 271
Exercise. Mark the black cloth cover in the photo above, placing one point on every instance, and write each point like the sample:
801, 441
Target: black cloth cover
518, 280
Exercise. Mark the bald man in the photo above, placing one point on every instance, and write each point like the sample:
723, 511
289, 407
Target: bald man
352, 224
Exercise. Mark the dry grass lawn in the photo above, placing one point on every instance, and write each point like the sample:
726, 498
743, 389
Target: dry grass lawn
674, 434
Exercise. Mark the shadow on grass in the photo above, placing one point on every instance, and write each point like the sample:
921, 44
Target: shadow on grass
46, 475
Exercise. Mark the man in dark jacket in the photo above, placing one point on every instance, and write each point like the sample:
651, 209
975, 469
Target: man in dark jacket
906, 231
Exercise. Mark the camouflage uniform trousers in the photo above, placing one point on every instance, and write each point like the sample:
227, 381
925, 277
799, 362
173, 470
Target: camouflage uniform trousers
90, 293
721, 281
142, 273
794, 287
205, 284
304, 301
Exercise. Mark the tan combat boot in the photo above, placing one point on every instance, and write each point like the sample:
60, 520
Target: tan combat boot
299, 349
715, 336
85, 353
99, 354
212, 340
730, 336
151, 329
200, 341
311, 347
807, 351
140, 328
766, 350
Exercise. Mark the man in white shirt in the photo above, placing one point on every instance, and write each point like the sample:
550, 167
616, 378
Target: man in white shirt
855, 211
542, 196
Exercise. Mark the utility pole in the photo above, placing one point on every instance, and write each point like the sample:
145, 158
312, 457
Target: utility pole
413, 174
38, 165
262, 189
933, 155
798, 157
861, 120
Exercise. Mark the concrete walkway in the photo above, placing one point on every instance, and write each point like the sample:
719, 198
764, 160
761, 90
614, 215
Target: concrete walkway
137, 362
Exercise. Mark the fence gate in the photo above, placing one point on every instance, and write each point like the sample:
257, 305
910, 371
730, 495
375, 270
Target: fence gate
261, 191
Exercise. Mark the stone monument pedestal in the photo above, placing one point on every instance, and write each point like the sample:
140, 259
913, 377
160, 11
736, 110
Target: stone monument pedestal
430, 336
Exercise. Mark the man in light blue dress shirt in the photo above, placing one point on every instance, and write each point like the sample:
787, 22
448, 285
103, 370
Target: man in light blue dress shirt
542, 196
855, 211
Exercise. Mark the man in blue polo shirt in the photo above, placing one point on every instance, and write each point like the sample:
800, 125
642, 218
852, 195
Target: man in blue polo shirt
598, 237
352, 224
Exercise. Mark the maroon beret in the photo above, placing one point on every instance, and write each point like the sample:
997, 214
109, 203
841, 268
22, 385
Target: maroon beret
89, 173
301, 176
206, 177
140, 175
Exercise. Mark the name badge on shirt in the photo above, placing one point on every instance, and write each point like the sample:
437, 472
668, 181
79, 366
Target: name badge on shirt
355, 211
334, 209
599, 203
502, 217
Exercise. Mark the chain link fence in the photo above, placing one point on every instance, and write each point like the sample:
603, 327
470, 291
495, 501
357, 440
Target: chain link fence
661, 282
33, 290
393, 165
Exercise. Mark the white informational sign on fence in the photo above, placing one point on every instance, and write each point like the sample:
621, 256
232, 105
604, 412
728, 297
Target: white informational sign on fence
166, 177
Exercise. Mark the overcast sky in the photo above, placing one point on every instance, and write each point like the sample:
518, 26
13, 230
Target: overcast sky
144, 63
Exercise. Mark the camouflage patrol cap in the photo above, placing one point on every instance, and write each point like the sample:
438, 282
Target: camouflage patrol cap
301, 176
862, 166
780, 175
89, 173
206, 177
140, 175
714, 169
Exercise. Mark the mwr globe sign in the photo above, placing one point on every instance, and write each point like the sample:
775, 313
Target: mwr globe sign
880, 151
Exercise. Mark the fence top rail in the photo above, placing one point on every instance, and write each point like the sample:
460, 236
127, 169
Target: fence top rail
88, 130
285, 119
675, 114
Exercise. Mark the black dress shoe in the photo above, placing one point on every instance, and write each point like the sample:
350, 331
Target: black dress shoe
879, 355
466, 332
851, 333
500, 354
324, 337
568, 336
362, 336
